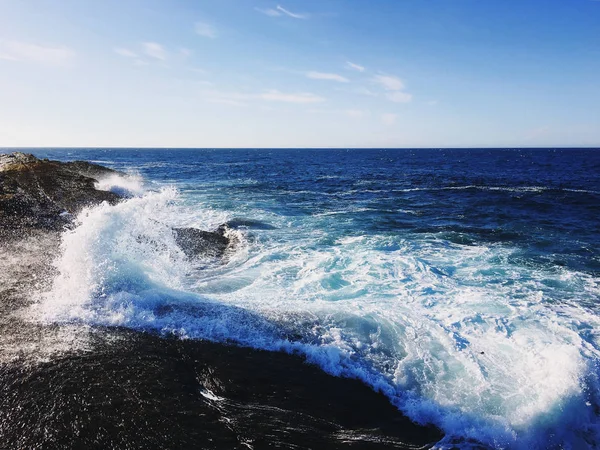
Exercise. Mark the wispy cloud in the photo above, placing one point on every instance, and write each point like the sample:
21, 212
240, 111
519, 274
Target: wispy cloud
38, 53
269, 12
125, 52
279, 11
389, 83
154, 50
394, 87
389, 118
327, 76
352, 66
205, 29
145, 52
303, 16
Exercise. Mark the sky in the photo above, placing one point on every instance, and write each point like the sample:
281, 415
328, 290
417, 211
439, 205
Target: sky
299, 73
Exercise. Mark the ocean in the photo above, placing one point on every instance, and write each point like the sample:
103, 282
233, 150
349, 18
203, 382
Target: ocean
464, 284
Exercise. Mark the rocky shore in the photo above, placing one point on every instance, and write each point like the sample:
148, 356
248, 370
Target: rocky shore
122, 389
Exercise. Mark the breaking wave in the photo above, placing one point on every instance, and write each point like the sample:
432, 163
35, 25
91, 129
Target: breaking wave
472, 338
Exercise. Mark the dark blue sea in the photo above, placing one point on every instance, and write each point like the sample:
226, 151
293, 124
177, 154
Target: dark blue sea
463, 284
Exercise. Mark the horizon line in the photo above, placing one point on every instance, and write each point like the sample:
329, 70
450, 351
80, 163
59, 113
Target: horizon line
298, 148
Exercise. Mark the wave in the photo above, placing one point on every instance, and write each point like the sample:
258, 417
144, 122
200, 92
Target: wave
460, 336
131, 185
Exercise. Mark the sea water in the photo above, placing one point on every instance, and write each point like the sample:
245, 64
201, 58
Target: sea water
463, 284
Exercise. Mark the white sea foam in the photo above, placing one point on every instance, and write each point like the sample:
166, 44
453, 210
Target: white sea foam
454, 335
126, 186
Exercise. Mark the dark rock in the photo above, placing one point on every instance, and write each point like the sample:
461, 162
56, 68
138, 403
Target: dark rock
90, 170
43, 194
195, 243
140, 391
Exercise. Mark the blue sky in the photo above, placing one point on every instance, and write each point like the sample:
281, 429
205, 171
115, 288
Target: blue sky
300, 73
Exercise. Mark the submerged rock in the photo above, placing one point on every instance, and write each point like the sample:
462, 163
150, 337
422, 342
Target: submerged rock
195, 242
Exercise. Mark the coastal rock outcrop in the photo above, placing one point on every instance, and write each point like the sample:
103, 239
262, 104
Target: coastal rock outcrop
39, 194
44, 194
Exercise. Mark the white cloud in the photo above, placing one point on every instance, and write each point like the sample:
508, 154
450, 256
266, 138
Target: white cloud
389, 83
399, 97
205, 29
276, 96
150, 50
389, 119
39, 53
327, 76
394, 87
154, 50
269, 12
291, 14
351, 65
125, 52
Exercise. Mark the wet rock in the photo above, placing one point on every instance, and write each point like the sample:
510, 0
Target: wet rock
198, 243
43, 194
90, 170
138, 391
